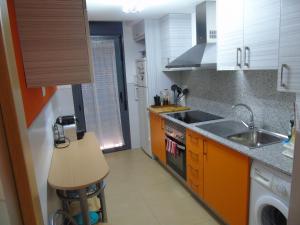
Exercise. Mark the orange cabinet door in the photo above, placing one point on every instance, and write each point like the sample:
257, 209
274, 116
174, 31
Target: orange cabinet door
194, 162
226, 182
158, 137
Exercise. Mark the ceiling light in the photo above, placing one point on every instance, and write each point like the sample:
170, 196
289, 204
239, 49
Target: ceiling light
133, 7
127, 6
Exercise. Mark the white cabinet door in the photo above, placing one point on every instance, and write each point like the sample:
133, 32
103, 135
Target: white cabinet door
261, 34
175, 36
230, 34
289, 50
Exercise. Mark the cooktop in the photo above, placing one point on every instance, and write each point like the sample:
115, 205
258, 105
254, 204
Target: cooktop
195, 116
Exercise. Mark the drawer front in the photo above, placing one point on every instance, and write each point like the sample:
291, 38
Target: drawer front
193, 158
194, 185
193, 173
194, 142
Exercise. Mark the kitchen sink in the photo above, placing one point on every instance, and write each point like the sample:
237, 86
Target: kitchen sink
225, 128
237, 132
256, 138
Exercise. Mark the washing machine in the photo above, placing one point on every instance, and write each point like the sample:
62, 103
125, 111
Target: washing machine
269, 196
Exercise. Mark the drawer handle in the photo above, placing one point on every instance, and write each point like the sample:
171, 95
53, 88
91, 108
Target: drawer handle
194, 156
194, 186
194, 139
194, 171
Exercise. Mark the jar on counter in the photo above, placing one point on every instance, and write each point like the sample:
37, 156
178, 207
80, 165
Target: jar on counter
165, 97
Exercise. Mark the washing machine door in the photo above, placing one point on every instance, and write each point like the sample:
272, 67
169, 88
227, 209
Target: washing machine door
270, 211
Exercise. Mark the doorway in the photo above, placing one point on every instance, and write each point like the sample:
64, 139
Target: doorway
10, 208
101, 107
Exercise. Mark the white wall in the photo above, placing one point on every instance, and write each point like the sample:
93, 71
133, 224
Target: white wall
41, 143
131, 50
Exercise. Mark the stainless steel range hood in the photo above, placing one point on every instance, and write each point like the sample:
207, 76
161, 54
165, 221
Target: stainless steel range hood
202, 55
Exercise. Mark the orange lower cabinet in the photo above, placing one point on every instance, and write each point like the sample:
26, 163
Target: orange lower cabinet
226, 182
158, 136
194, 161
161, 141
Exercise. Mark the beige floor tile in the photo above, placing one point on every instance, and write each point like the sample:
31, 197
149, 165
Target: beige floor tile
140, 192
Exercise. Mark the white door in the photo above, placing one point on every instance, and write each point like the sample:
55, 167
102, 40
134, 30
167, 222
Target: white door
102, 98
261, 34
289, 50
9, 206
230, 34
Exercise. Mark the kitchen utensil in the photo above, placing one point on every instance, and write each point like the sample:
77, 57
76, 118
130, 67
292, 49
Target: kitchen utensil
179, 91
185, 91
174, 88
157, 101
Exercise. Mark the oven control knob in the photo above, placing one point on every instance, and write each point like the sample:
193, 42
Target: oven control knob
281, 189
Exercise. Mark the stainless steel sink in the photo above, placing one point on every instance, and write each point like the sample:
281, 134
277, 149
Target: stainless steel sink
237, 132
225, 128
256, 138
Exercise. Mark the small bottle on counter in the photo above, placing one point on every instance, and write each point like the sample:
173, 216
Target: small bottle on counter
165, 97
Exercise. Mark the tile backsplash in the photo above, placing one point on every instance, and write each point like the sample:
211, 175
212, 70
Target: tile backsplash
216, 92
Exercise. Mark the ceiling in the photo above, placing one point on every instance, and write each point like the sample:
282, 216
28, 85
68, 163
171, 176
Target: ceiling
111, 10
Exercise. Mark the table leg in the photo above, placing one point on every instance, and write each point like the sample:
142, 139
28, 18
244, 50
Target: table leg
84, 207
103, 204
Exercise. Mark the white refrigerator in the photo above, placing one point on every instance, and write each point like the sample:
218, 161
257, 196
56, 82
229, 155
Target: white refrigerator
142, 96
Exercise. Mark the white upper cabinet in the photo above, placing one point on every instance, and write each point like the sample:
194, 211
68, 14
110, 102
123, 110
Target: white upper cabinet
230, 34
261, 34
248, 34
175, 36
289, 50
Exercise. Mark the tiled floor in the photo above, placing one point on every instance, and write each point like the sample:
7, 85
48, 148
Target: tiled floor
140, 192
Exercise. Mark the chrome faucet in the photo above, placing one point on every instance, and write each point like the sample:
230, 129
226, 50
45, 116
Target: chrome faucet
250, 125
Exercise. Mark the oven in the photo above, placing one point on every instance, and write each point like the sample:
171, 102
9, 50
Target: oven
175, 148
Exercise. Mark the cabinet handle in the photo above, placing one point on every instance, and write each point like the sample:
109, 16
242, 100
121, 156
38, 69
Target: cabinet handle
282, 84
247, 56
239, 57
205, 151
162, 124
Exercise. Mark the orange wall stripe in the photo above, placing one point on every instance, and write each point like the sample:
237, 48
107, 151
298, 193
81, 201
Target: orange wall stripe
33, 100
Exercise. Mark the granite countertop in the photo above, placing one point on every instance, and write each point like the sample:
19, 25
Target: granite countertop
270, 155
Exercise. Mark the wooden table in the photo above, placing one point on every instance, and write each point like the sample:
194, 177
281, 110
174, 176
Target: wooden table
77, 167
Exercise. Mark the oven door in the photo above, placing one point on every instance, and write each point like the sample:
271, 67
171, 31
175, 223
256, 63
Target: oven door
177, 160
